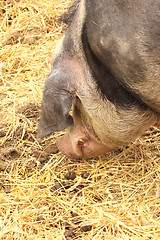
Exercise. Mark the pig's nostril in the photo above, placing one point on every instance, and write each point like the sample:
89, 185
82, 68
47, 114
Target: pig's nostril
82, 141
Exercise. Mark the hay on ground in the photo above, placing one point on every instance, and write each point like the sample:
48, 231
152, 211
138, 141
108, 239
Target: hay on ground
115, 196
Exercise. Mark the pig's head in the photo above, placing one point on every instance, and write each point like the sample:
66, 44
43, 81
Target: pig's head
103, 80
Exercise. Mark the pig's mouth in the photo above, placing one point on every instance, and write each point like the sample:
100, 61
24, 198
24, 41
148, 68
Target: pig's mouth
79, 143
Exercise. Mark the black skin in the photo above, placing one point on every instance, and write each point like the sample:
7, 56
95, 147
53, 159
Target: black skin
111, 88
122, 19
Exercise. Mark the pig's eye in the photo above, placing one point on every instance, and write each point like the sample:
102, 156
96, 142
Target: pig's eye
82, 141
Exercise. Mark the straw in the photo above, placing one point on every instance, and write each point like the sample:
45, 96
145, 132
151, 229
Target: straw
114, 196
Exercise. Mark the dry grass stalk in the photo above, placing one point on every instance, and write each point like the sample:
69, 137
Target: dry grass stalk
119, 199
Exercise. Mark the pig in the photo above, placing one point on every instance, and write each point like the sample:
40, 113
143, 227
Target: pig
104, 85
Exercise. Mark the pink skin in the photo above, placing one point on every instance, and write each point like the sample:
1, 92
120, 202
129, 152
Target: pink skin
79, 143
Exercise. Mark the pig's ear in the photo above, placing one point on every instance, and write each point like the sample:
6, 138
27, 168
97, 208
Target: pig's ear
56, 104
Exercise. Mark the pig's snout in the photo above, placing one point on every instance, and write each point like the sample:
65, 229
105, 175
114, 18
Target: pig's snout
78, 143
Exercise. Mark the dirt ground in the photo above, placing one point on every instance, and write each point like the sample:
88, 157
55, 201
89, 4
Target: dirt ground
43, 194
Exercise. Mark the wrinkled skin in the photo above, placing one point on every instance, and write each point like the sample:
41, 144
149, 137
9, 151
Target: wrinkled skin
106, 69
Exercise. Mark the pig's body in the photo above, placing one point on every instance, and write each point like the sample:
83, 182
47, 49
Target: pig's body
107, 67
